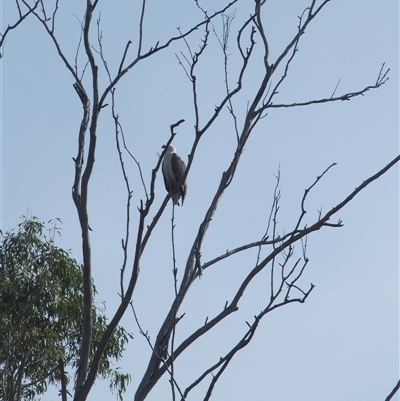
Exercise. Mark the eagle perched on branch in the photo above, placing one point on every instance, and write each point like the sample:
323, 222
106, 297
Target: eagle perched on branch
173, 169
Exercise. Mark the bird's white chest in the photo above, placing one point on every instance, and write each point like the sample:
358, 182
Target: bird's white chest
167, 166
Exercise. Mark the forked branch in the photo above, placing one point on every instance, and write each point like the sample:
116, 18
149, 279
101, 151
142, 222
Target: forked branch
20, 19
381, 80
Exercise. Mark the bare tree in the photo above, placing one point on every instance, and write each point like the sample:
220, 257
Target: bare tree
275, 248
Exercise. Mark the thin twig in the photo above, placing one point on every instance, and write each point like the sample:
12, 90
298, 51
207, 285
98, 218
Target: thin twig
19, 21
158, 48
306, 192
100, 51
124, 56
125, 241
147, 337
174, 272
334, 91
140, 31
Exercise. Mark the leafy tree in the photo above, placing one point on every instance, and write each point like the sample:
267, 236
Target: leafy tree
40, 320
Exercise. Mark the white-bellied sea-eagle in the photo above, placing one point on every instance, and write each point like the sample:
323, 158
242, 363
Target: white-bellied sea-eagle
173, 168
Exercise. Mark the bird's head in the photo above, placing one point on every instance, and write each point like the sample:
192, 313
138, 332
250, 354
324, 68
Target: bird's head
171, 149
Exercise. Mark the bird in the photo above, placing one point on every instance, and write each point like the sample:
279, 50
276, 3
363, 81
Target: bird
173, 169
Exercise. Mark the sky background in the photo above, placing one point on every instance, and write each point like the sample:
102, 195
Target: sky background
343, 342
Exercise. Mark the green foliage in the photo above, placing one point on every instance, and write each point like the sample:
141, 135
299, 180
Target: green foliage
41, 316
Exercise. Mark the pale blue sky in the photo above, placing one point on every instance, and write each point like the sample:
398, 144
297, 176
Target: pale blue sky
343, 343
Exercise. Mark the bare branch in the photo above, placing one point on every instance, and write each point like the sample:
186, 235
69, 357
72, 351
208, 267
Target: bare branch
393, 392
78, 48
340, 206
226, 25
191, 73
83, 213
125, 242
147, 337
234, 91
381, 80
306, 192
174, 272
244, 53
243, 342
136, 162
158, 48
100, 51
53, 20
140, 30
260, 27
253, 111
44, 20
286, 70
334, 91
21, 18
242, 248
124, 56
345, 96
76, 191
382, 76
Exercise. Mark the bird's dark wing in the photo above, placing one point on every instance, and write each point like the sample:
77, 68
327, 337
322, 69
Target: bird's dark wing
179, 168
183, 191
